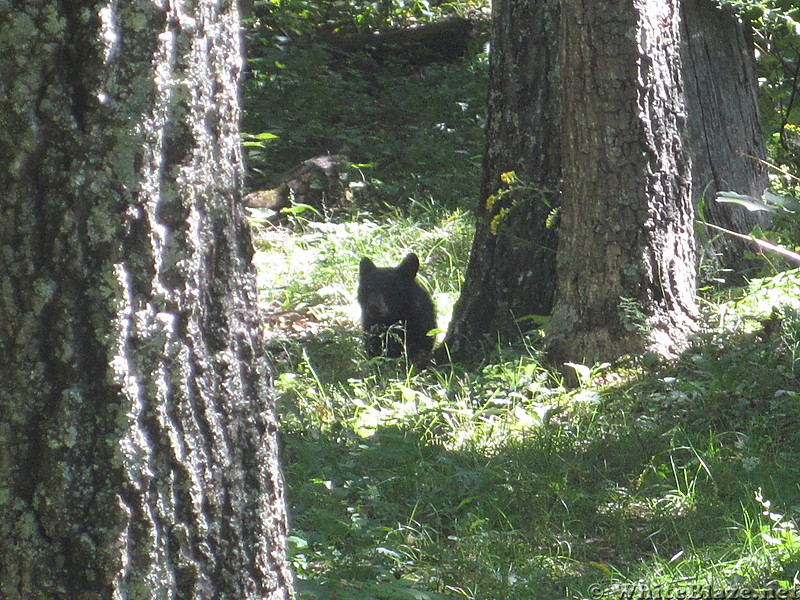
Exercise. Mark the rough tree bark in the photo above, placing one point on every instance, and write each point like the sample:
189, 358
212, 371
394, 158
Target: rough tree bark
138, 453
626, 227
724, 130
511, 273
511, 270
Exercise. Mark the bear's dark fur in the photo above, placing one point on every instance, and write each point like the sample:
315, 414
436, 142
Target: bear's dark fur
396, 312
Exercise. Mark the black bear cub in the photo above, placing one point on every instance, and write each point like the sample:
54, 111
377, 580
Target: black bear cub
396, 313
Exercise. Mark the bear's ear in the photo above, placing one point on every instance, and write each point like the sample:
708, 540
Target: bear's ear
409, 267
366, 266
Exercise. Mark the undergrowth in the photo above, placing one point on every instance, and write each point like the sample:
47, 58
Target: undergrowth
496, 481
413, 134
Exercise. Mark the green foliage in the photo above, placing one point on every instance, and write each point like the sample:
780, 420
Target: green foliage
415, 132
767, 13
303, 17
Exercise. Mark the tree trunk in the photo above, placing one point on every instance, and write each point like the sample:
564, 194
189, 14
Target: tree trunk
626, 233
511, 273
724, 128
138, 453
512, 264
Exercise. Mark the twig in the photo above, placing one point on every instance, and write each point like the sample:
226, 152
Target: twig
769, 246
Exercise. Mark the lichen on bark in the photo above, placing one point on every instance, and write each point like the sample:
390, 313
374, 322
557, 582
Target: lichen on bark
138, 452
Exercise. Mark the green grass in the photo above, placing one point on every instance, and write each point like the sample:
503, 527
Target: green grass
493, 481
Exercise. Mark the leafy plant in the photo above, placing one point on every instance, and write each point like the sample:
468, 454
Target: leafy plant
786, 221
776, 27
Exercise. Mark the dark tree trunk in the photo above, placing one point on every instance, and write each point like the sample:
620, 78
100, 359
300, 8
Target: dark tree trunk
511, 270
724, 129
511, 273
138, 453
626, 230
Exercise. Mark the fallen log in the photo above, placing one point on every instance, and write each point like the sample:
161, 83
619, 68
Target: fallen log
445, 41
314, 182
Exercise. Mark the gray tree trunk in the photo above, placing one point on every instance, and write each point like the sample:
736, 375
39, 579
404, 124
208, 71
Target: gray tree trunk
138, 452
724, 130
626, 230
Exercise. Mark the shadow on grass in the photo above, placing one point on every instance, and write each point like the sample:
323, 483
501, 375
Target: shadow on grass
412, 486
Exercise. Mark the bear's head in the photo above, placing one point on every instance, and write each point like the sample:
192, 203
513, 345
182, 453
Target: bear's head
386, 293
